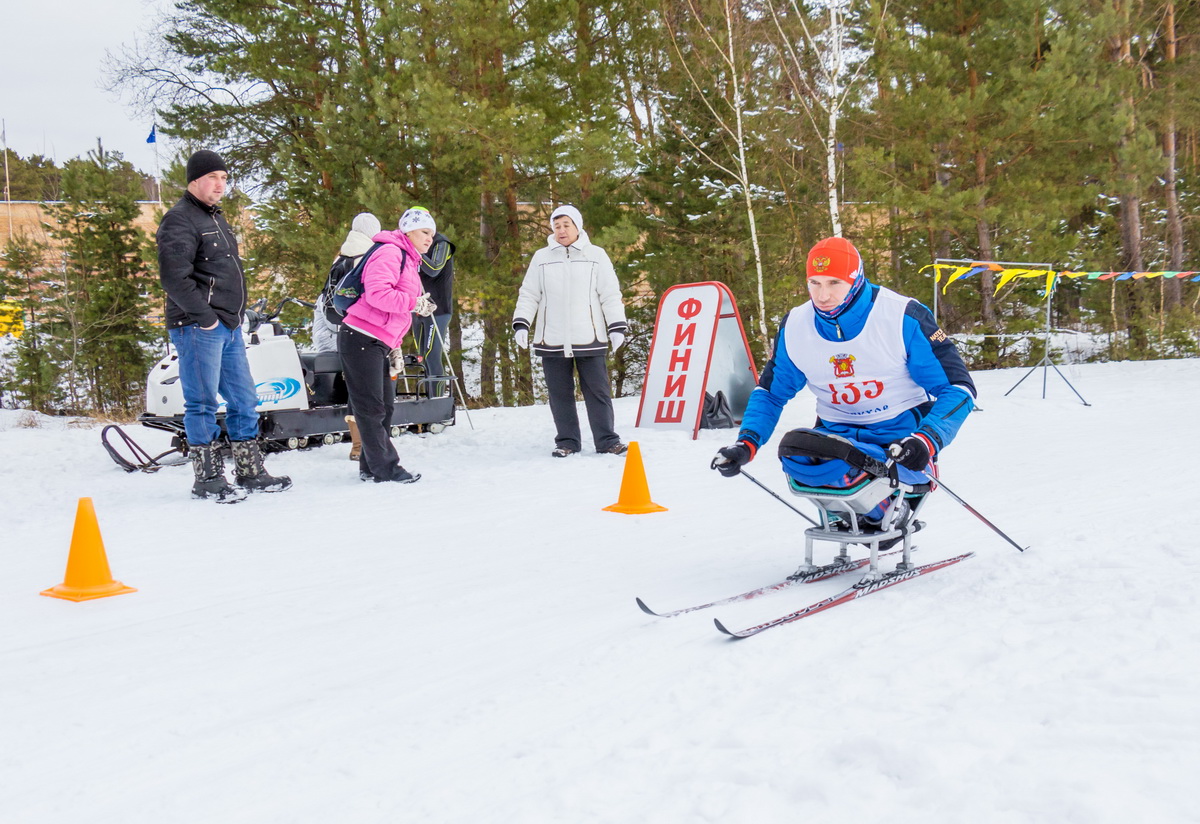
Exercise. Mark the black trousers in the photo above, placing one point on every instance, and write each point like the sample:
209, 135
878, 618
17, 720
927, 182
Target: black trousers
597, 399
372, 399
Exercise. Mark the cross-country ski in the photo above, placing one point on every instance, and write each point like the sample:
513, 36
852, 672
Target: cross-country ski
808, 577
852, 593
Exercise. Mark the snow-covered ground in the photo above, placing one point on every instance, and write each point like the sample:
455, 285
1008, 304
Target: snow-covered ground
467, 649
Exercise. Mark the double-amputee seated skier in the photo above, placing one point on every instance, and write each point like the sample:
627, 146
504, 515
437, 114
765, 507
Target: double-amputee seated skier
886, 378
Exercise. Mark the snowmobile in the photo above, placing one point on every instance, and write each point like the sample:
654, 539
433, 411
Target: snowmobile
302, 397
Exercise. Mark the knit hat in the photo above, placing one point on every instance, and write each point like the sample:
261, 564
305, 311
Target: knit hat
367, 224
569, 211
417, 217
203, 162
835, 257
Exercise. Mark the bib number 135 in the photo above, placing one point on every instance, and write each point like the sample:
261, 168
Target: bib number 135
854, 391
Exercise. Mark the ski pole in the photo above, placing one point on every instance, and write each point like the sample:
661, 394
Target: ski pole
975, 512
894, 450
453, 376
772, 493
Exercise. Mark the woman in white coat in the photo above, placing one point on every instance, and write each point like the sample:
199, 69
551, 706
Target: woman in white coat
569, 308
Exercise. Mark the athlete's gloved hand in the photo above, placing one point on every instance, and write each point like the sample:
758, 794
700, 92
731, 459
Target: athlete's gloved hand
522, 338
616, 339
425, 307
912, 452
395, 362
730, 459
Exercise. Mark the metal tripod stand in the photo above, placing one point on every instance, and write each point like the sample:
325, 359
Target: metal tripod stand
1046, 362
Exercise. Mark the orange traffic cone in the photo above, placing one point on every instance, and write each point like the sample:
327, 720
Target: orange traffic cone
635, 493
88, 575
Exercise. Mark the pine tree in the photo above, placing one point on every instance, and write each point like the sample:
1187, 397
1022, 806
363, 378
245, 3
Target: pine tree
98, 318
31, 375
33, 178
475, 111
999, 125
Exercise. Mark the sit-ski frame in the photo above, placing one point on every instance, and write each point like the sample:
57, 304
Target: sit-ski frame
850, 505
854, 502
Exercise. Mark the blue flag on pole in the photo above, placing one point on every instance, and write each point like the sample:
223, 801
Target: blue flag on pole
152, 138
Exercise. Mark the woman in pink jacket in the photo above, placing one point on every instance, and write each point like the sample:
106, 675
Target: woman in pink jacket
375, 325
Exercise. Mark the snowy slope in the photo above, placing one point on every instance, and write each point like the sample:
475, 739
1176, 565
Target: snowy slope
467, 649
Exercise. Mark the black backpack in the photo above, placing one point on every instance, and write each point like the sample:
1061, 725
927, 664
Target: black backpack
344, 285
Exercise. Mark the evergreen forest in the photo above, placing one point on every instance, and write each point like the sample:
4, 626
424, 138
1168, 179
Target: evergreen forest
701, 139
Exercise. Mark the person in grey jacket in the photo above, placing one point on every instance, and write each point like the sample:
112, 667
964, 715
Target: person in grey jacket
326, 321
357, 243
201, 273
569, 308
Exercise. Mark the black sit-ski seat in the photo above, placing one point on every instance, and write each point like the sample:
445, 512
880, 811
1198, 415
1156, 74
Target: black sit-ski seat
842, 508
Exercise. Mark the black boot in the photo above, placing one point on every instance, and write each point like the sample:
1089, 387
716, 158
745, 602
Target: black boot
249, 472
400, 475
210, 476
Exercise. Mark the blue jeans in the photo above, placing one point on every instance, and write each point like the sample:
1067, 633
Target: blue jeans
213, 361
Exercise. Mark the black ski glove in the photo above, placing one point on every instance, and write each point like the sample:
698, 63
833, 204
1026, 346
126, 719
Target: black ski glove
730, 459
912, 452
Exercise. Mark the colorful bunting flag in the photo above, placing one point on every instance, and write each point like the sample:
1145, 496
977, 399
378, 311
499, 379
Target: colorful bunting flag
945, 274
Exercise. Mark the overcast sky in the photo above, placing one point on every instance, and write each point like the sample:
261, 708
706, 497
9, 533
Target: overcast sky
52, 95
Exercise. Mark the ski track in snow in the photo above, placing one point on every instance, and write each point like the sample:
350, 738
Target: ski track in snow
467, 649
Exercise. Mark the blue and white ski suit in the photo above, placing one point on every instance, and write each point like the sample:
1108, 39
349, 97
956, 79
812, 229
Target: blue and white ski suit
929, 358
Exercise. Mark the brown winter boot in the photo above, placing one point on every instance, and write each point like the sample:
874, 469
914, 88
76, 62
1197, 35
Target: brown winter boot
355, 439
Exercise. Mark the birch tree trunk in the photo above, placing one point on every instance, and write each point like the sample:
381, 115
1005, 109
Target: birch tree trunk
828, 94
739, 169
744, 172
834, 105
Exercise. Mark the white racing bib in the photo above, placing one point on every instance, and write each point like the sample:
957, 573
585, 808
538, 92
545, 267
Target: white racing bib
862, 380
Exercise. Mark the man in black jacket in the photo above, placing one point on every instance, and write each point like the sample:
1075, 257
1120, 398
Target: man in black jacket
202, 275
437, 279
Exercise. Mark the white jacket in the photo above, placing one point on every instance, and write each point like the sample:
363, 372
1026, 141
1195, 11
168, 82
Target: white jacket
573, 293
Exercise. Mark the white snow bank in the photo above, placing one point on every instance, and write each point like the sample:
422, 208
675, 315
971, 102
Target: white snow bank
467, 649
